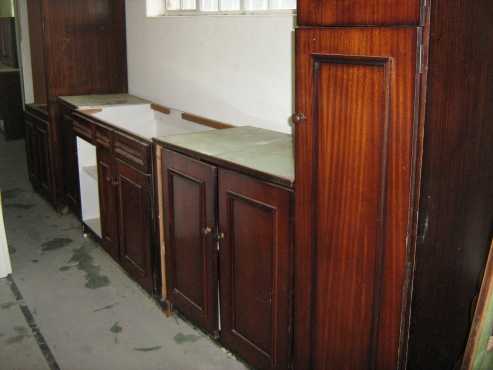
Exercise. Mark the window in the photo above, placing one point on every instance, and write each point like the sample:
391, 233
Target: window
200, 7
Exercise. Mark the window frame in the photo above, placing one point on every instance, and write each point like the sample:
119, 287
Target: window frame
198, 12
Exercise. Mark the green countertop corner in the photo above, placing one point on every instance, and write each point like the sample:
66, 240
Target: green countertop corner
257, 149
95, 101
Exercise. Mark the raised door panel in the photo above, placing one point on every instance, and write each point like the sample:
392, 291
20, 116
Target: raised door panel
255, 269
356, 88
134, 215
69, 162
43, 153
191, 253
108, 199
359, 12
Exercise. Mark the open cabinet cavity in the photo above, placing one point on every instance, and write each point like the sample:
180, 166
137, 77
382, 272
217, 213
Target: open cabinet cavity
88, 182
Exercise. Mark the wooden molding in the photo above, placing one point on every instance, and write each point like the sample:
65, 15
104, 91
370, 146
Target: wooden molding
160, 108
90, 111
205, 121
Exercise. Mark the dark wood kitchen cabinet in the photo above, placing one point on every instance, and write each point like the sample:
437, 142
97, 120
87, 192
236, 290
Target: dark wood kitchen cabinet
394, 166
77, 47
125, 197
218, 219
255, 249
38, 149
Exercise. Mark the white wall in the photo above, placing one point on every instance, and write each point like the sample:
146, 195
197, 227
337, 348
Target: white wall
235, 69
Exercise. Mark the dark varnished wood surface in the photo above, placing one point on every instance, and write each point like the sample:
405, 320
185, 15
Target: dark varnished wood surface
191, 254
135, 226
108, 200
255, 269
456, 208
85, 46
70, 162
37, 49
358, 12
38, 151
78, 47
353, 180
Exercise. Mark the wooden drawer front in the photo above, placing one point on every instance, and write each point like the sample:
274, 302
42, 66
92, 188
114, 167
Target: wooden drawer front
103, 136
84, 129
133, 151
359, 12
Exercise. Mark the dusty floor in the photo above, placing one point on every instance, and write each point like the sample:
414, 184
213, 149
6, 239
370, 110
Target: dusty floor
68, 305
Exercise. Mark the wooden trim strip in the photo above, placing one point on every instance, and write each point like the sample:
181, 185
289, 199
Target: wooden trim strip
160, 108
90, 111
205, 121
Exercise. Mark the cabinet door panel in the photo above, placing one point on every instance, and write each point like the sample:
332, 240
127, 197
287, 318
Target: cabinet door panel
134, 215
108, 199
356, 88
359, 12
191, 253
255, 269
69, 162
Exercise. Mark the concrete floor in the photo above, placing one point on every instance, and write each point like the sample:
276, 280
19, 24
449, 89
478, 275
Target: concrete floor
74, 307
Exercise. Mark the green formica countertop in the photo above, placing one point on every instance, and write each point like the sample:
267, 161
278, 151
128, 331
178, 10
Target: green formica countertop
96, 101
257, 150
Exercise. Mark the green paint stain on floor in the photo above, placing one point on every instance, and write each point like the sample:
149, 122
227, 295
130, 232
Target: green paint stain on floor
148, 349
55, 244
21, 334
181, 338
108, 307
7, 305
24, 207
116, 328
85, 262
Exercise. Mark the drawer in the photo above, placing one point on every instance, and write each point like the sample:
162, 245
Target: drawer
133, 151
83, 129
103, 136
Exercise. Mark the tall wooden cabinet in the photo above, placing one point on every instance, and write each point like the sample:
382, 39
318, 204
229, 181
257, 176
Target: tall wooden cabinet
77, 47
394, 174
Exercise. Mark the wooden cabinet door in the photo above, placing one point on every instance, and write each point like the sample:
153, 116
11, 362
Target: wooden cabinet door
359, 12
31, 152
255, 269
354, 151
108, 200
43, 153
134, 215
191, 250
69, 162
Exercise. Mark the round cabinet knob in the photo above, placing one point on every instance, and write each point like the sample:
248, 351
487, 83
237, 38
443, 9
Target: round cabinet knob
298, 118
206, 230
